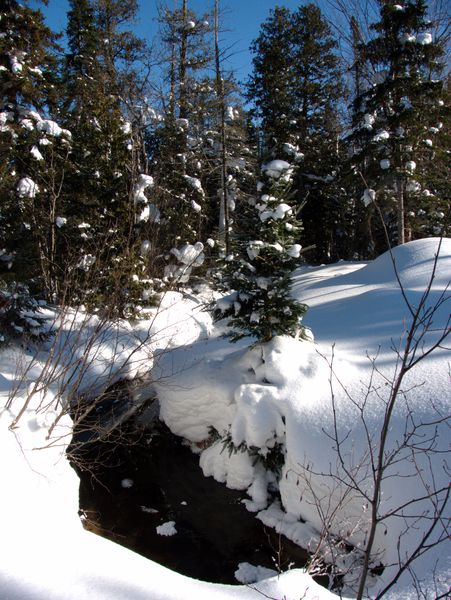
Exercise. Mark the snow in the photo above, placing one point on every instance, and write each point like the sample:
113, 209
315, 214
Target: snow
269, 396
15, 62
195, 183
51, 128
276, 168
294, 251
167, 529
190, 256
368, 196
407, 38
27, 188
277, 213
35, 153
144, 181
280, 393
381, 136
247, 573
150, 213
424, 38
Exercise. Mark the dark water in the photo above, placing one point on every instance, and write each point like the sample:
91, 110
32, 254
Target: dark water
215, 532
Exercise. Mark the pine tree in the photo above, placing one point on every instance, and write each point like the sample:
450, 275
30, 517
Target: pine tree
179, 165
34, 151
296, 86
260, 274
270, 86
102, 228
398, 119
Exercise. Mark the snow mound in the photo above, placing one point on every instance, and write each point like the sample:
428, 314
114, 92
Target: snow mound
297, 402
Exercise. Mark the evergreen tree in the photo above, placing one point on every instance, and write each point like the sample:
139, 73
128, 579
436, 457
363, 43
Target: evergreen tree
296, 87
102, 229
261, 305
398, 119
34, 151
179, 164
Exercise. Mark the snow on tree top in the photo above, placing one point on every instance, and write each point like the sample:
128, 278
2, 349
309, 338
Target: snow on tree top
424, 38
195, 183
52, 128
277, 213
276, 168
27, 188
368, 196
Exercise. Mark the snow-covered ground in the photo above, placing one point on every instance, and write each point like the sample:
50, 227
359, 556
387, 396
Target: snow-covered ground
279, 399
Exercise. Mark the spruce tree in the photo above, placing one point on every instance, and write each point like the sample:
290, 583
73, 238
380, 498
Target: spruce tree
34, 151
102, 228
397, 124
260, 272
296, 87
179, 162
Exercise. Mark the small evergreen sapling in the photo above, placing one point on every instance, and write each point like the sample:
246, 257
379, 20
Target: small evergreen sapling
260, 274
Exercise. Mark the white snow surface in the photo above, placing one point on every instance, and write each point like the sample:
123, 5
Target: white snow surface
281, 393
278, 393
45, 552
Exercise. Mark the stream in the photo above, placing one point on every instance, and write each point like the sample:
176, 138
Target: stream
141, 476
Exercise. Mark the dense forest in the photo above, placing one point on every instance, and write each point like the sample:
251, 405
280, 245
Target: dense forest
126, 171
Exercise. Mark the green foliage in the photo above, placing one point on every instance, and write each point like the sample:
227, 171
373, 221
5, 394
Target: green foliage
20, 315
296, 87
33, 149
260, 274
398, 121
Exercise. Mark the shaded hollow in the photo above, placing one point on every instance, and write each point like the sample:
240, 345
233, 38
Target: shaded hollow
137, 479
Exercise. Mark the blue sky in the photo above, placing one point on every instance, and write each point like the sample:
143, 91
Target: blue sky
242, 20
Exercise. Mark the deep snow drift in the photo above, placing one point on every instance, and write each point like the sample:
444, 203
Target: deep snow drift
304, 400
275, 400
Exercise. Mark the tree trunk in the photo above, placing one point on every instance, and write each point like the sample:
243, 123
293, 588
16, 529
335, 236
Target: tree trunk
220, 92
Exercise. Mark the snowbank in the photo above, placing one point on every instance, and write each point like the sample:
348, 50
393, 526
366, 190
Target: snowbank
274, 400
45, 552
298, 399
